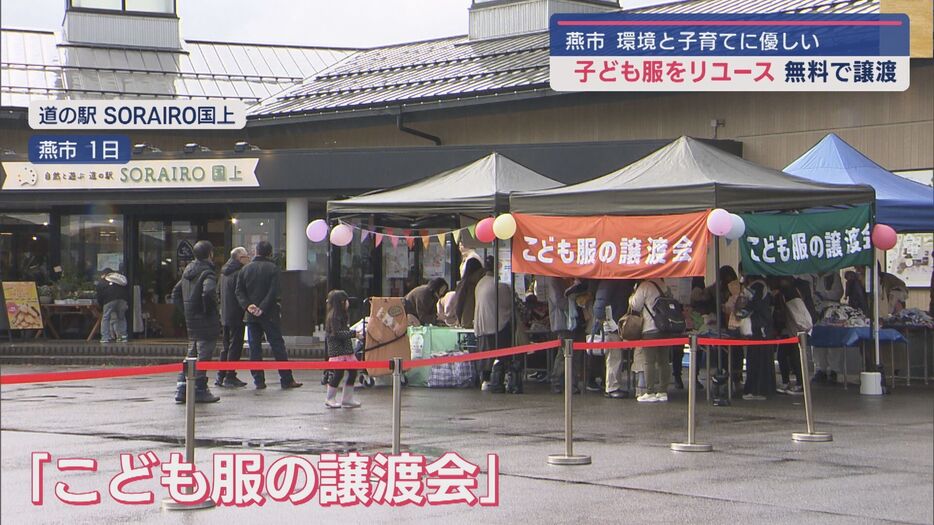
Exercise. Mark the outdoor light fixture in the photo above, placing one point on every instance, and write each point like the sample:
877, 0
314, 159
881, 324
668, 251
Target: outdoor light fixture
240, 147
192, 147
143, 147
234, 220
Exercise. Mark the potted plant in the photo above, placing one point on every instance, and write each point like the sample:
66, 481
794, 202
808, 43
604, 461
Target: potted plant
46, 294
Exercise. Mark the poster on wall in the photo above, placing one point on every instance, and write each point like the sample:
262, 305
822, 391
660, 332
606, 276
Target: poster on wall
184, 254
396, 262
109, 260
911, 259
22, 305
434, 258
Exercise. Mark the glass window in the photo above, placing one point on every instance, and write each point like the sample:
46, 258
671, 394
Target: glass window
251, 228
91, 243
24, 247
356, 273
98, 4
151, 6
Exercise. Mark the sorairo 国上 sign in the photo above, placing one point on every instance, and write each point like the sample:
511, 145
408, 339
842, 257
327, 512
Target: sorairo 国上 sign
143, 174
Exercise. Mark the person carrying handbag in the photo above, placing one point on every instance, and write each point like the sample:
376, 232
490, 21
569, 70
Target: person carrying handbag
652, 299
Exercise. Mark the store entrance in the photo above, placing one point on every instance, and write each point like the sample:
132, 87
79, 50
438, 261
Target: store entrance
164, 249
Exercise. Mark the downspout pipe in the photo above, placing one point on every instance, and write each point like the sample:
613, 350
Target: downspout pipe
421, 134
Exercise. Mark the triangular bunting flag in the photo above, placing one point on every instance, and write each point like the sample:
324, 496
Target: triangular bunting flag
425, 240
472, 230
410, 241
364, 234
378, 239
440, 237
457, 235
389, 232
406, 233
395, 240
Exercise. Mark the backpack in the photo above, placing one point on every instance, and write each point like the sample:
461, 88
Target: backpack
667, 313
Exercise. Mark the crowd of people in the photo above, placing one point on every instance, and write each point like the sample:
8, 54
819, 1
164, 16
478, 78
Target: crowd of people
245, 294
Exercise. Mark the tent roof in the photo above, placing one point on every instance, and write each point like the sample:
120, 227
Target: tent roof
688, 175
475, 187
901, 203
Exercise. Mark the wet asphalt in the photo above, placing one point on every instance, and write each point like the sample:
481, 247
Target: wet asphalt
878, 469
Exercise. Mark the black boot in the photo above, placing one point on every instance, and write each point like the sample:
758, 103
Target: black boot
202, 394
514, 378
180, 393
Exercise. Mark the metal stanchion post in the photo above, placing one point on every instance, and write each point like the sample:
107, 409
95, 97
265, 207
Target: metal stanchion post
190, 367
396, 404
568, 458
809, 436
690, 445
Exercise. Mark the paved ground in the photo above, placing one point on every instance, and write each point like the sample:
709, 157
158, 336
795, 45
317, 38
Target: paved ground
878, 469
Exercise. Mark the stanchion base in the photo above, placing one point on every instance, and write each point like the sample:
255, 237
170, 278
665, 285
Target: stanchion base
171, 504
691, 447
562, 459
816, 437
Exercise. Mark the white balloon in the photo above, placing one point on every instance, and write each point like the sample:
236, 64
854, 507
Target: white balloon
341, 235
737, 227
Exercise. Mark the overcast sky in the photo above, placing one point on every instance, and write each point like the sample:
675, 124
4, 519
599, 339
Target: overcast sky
349, 23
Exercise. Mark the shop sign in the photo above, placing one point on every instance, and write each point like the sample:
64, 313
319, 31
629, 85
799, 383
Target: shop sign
137, 114
22, 305
638, 247
134, 175
729, 52
805, 243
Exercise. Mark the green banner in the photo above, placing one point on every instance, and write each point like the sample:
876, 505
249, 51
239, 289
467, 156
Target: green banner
803, 243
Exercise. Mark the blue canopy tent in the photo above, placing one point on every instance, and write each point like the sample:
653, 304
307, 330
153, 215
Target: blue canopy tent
905, 205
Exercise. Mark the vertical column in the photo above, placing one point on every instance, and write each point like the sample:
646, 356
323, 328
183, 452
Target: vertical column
296, 244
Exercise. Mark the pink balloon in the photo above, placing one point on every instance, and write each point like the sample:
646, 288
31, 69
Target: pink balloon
719, 222
485, 230
317, 230
341, 235
884, 237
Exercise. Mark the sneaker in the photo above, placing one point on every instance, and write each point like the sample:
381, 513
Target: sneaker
661, 398
795, 390
753, 397
647, 398
122, 340
106, 341
350, 404
783, 389
332, 403
293, 384
593, 386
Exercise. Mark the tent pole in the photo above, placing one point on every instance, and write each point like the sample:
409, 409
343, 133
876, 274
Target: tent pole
875, 304
716, 257
496, 287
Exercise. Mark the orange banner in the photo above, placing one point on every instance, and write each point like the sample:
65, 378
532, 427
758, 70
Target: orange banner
608, 247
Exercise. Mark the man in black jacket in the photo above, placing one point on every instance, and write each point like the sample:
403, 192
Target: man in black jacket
112, 297
196, 292
231, 316
258, 294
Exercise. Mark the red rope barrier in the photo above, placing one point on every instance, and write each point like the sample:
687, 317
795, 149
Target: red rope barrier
48, 377
647, 343
14, 379
290, 365
487, 354
746, 342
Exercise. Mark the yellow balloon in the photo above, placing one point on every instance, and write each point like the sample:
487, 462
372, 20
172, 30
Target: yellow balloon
504, 227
